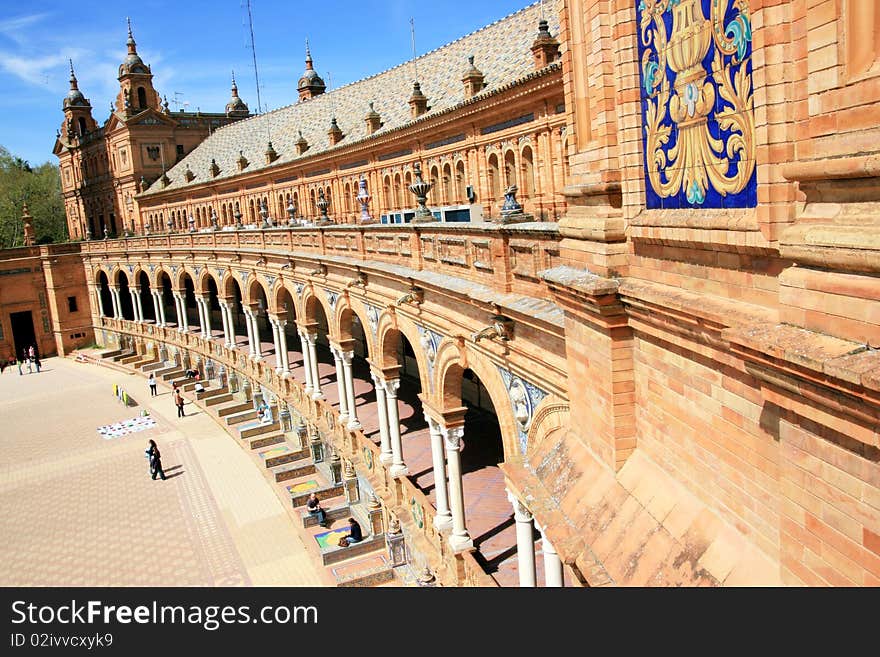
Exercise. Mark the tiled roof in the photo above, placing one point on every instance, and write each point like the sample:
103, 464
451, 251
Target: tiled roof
501, 51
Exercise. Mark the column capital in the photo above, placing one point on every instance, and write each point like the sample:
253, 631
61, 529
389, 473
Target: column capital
521, 513
346, 355
392, 386
452, 437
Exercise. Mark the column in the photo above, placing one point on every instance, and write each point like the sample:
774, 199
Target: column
161, 308
258, 345
200, 305
101, 302
276, 340
385, 455
349, 390
398, 467
228, 324
340, 384
282, 340
525, 542
139, 306
249, 325
113, 303
443, 518
313, 361
156, 303
459, 539
134, 307
307, 364
552, 563
206, 303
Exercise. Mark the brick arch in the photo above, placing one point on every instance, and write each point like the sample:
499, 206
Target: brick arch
345, 309
386, 345
98, 271
201, 284
136, 273
285, 286
551, 416
117, 270
449, 367
309, 316
178, 280
230, 278
252, 286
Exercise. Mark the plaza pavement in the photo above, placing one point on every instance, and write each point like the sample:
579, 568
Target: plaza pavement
80, 510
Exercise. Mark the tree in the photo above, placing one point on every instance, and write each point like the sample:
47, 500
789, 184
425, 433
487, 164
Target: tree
40, 187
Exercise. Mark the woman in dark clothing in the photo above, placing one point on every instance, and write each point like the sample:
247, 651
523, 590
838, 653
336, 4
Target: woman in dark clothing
355, 534
155, 460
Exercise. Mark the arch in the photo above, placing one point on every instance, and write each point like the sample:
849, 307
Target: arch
182, 275
510, 172
116, 279
284, 301
460, 182
449, 368
445, 180
494, 177
203, 281
82, 126
230, 284
310, 310
257, 291
527, 174
142, 98
145, 292
346, 311
388, 335
550, 416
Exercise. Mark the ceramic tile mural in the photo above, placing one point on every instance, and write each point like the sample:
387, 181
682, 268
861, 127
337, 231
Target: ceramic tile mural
695, 61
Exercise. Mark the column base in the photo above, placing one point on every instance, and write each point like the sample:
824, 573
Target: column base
385, 459
442, 522
343, 418
278, 371
317, 395
460, 543
398, 470
353, 425
286, 374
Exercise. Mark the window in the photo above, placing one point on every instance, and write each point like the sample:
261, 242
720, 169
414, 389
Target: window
180, 152
71, 304
142, 98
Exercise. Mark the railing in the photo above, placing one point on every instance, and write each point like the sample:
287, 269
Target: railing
505, 258
401, 495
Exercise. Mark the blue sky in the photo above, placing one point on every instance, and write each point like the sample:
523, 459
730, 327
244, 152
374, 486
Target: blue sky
193, 46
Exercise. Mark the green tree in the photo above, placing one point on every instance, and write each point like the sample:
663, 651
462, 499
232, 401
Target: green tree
40, 187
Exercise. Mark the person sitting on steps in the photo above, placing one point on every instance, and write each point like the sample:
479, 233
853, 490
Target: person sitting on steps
355, 534
313, 504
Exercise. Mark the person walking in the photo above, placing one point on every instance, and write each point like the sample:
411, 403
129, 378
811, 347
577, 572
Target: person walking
30, 364
152, 382
37, 363
178, 401
19, 366
155, 460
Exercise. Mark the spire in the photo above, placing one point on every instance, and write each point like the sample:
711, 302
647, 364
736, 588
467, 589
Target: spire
473, 79
310, 84
73, 84
418, 102
335, 133
132, 49
236, 106
545, 49
74, 96
132, 62
373, 120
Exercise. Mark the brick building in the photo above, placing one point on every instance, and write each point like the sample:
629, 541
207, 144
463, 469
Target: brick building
672, 374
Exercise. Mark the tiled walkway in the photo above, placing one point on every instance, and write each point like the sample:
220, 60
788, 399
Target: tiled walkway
82, 510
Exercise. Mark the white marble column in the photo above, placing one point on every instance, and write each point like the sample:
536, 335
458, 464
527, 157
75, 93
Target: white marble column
349, 390
101, 307
114, 301
307, 363
276, 341
340, 384
459, 539
313, 360
208, 328
258, 344
250, 331
177, 311
398, 467
443, 518
139, 306
200, 306
282, 341
385, 455
224, 323
553, 575
231, 340
156, 303
134, 308
162, 309
525, 542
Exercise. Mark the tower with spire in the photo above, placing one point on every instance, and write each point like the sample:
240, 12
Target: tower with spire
77, 111
236, 106
136, 92
310, 84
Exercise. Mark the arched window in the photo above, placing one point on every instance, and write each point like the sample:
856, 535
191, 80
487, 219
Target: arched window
509, 169
82, 126
528, 173
447, 176
142, 98
494, 177
460, 182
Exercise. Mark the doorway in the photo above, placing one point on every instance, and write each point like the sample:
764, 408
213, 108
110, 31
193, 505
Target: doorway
23, 332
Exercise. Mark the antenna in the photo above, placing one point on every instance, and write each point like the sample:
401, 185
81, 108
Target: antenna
412, 30
254, 52
332, 100
178, 103
542, 9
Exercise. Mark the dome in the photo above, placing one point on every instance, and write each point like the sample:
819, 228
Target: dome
74, 97
236, 106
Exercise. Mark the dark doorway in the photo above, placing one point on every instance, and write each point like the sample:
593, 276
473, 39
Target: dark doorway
23, 332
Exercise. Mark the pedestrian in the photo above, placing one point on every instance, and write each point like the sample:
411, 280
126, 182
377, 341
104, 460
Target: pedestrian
355, 534
37, 363
31, 351
30, 363
155, 460
19, 366
152, 382
178, 401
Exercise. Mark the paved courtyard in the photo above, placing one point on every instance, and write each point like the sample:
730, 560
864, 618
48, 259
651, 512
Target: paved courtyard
81, 510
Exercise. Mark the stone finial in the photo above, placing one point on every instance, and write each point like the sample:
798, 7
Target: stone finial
373, 503
418, 102
215, 170
335, 133
473, 79
420, 189
545, 49
188, 174
427, 577
301, 144
323, 204
242, 161
373, 120
394, 526
28, 226
271, 155
348, 469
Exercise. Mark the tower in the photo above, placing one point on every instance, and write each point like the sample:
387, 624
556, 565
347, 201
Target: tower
136, 92
310, 84
77, 111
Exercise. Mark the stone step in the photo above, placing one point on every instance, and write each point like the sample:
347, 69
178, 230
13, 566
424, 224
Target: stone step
296, 456
110, 354
170, 373
278, 455
230, 409
267, 440
122, 355
372, 570
299, 498
215, 399
295, 471
334, 512
128, 360
144, 362
207, 393
153, 366
257, 429
331, 555
242, 416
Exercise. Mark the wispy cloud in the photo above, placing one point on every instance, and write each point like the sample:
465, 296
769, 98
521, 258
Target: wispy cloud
18, 28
